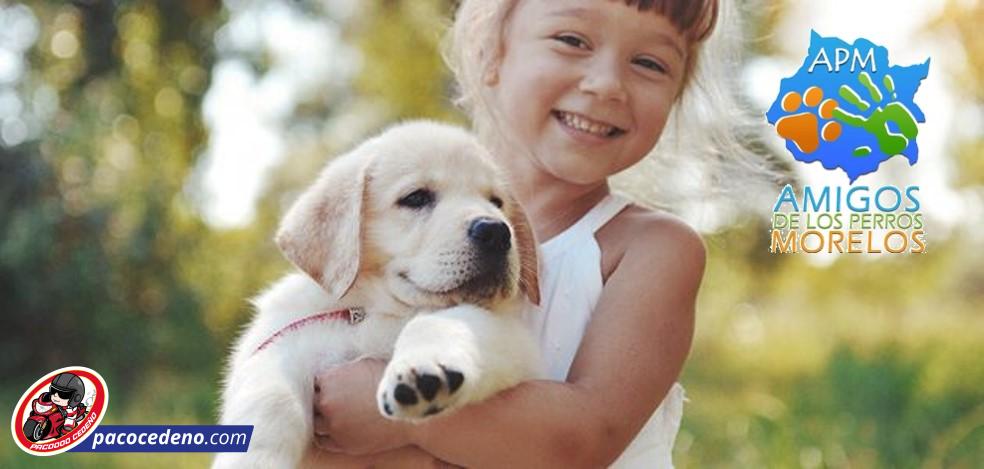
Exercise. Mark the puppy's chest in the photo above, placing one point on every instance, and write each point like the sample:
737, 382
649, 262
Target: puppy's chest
376, 335
334, 342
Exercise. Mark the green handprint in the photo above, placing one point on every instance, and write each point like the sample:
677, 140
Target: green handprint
890, 143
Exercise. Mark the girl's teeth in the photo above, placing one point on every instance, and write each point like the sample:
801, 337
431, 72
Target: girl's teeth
585, 125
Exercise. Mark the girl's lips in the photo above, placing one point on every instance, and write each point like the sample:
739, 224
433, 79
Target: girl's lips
586, 130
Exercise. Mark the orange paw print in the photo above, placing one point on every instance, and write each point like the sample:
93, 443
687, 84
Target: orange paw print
803, 128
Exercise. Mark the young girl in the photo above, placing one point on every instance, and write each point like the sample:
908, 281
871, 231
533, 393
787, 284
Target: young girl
566, 94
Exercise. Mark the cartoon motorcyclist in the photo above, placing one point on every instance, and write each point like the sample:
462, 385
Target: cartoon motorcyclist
64, 396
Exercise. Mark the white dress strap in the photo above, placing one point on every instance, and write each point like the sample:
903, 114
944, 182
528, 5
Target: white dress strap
601, 214
588, 224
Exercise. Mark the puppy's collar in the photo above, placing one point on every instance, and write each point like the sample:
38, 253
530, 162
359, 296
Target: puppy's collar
352, 316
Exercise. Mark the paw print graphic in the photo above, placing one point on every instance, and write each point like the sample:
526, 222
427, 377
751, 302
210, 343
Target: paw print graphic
804, 128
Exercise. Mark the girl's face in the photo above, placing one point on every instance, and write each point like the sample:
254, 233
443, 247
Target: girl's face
587, 85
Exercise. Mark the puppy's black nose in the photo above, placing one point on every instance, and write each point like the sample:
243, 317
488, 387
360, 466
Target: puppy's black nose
490, 235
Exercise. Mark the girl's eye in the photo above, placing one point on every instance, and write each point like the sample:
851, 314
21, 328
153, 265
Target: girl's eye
571, 40
650, 64
417, 199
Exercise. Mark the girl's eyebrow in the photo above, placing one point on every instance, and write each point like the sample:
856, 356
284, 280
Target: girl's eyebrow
583, 13
665, 39
586, 14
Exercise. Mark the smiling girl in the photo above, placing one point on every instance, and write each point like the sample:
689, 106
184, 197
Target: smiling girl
566, 94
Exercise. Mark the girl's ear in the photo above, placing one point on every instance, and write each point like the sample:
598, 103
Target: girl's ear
491, 76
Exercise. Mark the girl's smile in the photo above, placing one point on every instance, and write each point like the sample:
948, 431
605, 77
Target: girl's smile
579, 124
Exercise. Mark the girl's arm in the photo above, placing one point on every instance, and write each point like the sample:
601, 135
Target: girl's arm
632, 352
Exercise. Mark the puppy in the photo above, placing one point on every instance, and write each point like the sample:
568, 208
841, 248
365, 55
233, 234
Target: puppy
409, 247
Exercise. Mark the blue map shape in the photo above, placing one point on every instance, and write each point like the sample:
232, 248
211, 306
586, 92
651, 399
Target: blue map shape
840, 153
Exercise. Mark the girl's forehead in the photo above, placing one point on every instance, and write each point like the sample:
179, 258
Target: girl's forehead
628, 20
691, 20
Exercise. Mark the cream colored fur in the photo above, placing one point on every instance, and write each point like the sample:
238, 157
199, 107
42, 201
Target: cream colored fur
408, 268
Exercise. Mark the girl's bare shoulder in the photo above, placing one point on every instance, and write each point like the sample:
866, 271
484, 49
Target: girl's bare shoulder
649, 236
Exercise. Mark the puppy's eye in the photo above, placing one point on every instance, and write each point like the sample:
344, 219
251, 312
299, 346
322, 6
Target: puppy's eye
496, 201
417, 199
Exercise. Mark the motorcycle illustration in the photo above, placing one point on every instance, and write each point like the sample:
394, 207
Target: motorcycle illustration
50, 424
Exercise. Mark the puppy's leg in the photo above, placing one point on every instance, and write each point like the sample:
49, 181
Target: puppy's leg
263, 393
453, 357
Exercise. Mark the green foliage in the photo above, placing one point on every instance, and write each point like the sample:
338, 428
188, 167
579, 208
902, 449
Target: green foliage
405, 37
855, 364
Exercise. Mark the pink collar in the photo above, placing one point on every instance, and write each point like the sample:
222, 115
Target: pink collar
353, 316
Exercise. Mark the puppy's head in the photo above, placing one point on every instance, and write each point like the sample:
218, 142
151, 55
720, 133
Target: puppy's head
422, 209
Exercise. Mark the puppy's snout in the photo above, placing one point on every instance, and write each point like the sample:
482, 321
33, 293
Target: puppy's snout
491, 236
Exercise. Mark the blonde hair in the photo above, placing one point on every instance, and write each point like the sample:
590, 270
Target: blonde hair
710, 148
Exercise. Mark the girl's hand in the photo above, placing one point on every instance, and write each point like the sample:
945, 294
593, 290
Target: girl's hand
346, 419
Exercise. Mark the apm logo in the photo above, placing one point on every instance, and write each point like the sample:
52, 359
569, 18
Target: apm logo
848, 108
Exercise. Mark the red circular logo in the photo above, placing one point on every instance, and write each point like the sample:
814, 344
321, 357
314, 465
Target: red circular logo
59, 410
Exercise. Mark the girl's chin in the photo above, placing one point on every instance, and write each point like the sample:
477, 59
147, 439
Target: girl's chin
574, 169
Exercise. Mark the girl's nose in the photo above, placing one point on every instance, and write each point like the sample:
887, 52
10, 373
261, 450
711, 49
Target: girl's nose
603, 79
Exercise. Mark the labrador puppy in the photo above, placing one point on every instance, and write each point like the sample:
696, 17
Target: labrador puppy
410, 248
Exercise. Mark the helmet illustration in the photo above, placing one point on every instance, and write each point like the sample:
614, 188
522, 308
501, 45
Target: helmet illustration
68, 386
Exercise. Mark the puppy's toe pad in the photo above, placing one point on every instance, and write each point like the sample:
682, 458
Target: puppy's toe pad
419, 391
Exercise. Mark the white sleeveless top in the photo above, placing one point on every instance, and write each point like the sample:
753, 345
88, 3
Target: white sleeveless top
570, 285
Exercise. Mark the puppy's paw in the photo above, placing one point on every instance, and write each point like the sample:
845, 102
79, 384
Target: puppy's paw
418, 388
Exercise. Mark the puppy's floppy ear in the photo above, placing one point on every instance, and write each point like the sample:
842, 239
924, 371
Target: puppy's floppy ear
526, 246
321, 233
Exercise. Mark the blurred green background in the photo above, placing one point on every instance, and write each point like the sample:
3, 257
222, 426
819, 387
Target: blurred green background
142, 171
